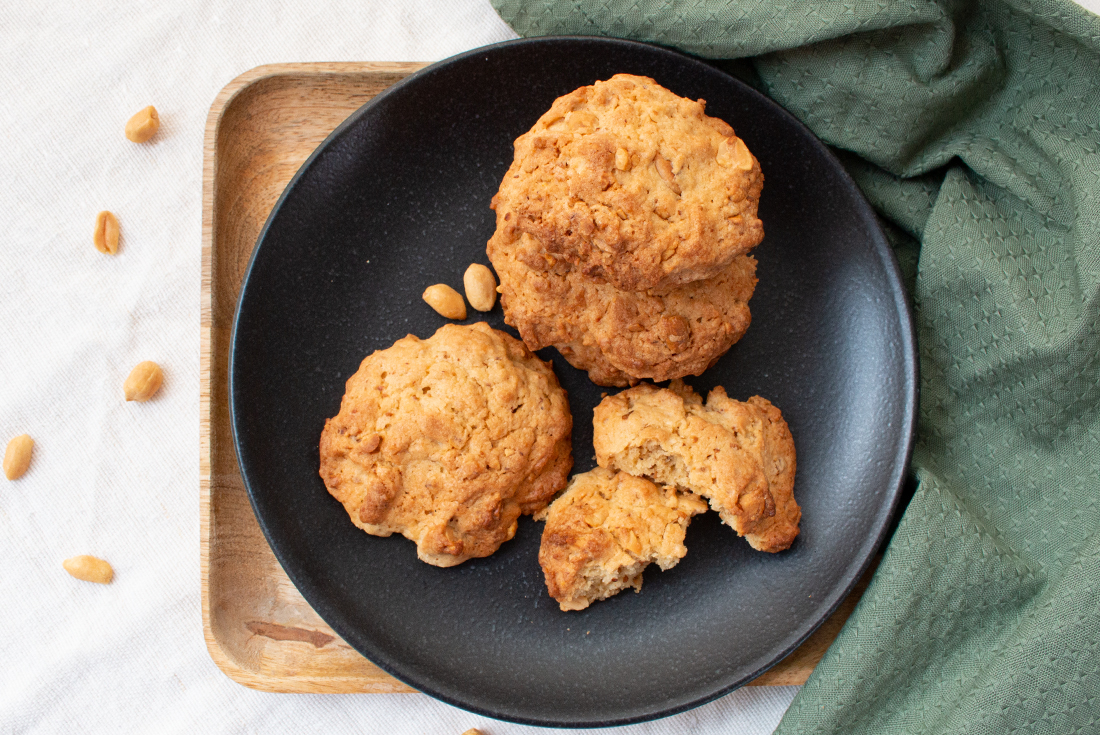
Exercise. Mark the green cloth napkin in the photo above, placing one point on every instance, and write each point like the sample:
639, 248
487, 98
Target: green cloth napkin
974, 130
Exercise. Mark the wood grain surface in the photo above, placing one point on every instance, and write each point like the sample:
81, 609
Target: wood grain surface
258, 628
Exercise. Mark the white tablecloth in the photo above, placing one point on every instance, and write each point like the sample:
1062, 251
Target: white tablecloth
119, 480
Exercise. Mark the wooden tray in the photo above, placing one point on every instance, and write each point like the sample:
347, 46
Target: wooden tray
258, 628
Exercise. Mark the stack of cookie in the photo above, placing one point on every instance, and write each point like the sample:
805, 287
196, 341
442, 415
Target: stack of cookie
623, 230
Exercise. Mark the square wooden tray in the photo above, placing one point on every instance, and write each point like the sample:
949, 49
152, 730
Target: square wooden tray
258, 628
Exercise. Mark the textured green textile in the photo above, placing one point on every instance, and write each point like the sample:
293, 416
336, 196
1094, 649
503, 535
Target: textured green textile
974, 129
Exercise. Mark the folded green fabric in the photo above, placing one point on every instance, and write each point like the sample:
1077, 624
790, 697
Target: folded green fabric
974, 129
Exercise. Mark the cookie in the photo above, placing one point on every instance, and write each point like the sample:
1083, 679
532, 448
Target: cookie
605, 529
634, 185
620, 337
447, 441
738, 455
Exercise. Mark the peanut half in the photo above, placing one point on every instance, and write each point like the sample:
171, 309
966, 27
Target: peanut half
446, 301
143, 126
17, 457
622, 159
664, 168
481, 287
89, 569
105, 236
144, 381
734, 153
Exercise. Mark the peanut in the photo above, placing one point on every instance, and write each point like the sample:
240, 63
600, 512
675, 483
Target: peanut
105, 236
622, 159
144, 381
17, 457
143, 126
595, 516
89, 569
473, 731
676, 332
446, 301
481, 287
664, 168
733, 152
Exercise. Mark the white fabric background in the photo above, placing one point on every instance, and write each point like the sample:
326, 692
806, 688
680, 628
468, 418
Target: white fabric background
118, 480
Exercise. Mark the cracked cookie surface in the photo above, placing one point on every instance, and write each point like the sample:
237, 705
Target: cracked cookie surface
634, 185
447, 441
739, 455
605, 529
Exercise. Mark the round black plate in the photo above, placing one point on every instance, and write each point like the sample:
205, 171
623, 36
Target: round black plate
397, 199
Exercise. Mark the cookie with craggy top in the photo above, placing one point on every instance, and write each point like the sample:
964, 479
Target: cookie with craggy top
619, 337
605, 529
634, 185
738, 454
448, 440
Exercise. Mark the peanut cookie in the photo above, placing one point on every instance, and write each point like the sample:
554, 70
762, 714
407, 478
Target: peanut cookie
738, 455
634, 185
619, 337
605, 529
447, 441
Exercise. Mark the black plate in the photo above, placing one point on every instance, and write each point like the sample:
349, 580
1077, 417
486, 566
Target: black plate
396, 199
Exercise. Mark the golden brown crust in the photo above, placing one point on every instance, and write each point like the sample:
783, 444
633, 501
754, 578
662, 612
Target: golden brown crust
738, 455
634, 185
605, 529
620, 337
447, 441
